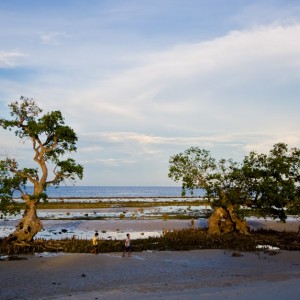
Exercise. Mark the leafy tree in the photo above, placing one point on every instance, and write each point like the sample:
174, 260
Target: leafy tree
267, 183
272, 181
51, 141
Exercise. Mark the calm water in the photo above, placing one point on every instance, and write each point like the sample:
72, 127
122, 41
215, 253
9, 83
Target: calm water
115, 191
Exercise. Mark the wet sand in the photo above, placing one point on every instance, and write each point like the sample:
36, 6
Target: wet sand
199, 274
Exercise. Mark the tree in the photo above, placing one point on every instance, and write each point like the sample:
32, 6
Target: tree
51, 141
272, 181
267, 183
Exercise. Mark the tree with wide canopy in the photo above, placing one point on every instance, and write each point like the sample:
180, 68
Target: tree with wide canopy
268, 184
51, 141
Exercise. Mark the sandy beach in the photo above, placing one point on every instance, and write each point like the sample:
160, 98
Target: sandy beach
199, 274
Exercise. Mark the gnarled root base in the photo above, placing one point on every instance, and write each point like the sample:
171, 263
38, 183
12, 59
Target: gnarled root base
27, 228
224, 220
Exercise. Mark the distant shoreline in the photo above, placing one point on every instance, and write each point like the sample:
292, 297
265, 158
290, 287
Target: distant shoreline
115, 191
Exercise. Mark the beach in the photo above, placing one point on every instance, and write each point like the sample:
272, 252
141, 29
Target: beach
197, 274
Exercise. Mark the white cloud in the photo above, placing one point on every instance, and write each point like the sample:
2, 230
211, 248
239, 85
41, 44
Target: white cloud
261, 12
231, 94
189, 80
147, 146
10, 59
264, 146
53, 38
203, 87
124, 137
112, 162
91, 149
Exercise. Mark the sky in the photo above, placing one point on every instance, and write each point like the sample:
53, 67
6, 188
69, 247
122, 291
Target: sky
140, 81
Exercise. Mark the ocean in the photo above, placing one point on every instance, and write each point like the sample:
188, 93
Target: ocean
114, 191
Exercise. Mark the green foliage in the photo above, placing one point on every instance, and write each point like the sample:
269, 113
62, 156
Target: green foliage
192, 167
267, 183
9, 184
51, 141
195, 168
272, 181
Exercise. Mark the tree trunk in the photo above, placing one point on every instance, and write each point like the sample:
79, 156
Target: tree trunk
29, 225
224, 220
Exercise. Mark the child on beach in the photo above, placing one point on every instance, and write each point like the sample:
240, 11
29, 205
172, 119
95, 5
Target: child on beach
95, 243
192, 224
127, 247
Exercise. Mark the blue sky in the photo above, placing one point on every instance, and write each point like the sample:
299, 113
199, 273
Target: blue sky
140, 81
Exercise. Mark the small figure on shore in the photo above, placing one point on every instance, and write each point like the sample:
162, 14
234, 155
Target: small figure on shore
95, 242
127, 246
192, 224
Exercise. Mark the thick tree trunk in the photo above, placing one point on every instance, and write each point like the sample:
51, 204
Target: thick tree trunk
224, 220
28, 227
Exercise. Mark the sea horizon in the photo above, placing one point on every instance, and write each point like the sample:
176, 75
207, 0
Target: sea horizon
90, 191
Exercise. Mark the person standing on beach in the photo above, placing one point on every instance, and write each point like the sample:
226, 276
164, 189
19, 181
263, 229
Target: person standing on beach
192, 224
127, 246
95, 243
